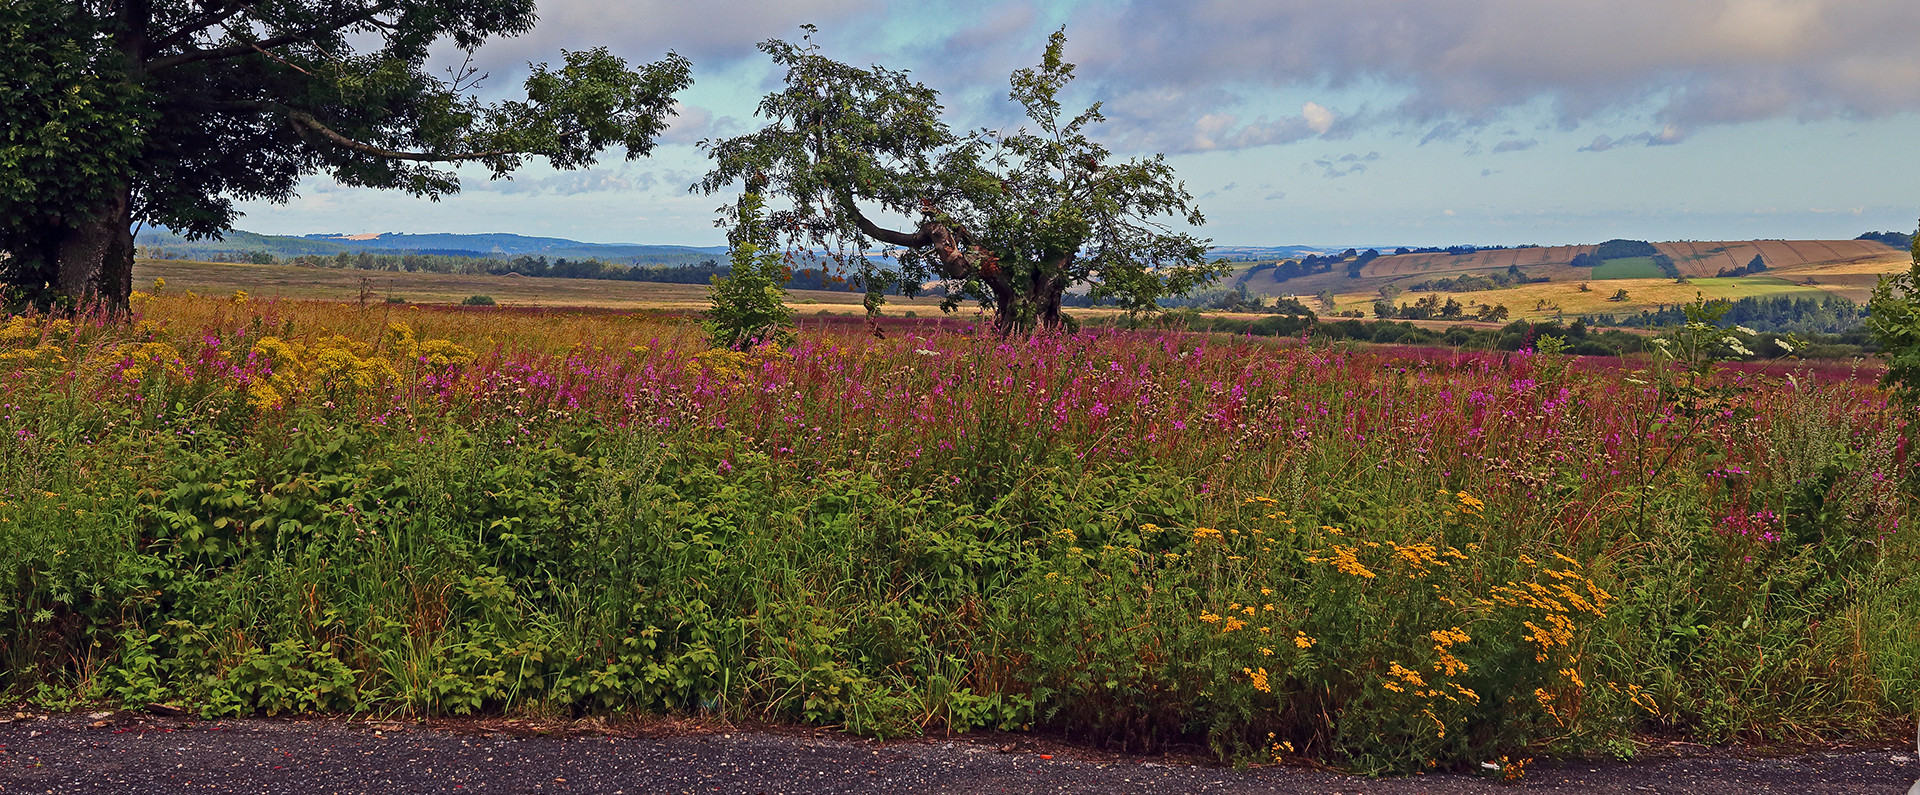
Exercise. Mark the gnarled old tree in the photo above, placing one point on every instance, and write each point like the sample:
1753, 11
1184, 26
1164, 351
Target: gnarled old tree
1009, 219
164, 112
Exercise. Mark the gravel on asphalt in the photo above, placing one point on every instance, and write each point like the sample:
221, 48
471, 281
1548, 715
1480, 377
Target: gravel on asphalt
127, 752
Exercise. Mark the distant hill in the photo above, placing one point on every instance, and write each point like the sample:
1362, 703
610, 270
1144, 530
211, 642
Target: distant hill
239, 244
1828, 261
1257, 253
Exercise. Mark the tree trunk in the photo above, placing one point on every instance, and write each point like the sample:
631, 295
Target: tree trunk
94, 255
1038, 311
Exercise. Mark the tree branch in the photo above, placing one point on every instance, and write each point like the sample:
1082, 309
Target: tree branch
308, 34
303, 120
920, 239
206, 20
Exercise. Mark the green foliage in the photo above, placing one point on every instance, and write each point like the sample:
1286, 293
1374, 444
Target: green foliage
1628, 268
1011, 219
1621, 249
191, 110
478, 300
749, 304
1271, 585
1893, 315
71, 132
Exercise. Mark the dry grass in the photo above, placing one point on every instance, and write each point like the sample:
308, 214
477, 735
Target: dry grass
286, 282
326, 284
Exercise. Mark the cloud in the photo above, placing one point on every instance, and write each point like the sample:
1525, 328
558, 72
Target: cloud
1274, 196
691, 123
1318, 118
1344, 165
1694, 62
1175, 122
623, 179
1515, 145
701, 31
1666, 136
1206, 75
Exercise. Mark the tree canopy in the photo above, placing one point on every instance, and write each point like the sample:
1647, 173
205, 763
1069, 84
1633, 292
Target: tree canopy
166, 112
1893, 315
1011, 219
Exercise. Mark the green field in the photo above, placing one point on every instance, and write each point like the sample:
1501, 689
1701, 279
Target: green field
1628, 268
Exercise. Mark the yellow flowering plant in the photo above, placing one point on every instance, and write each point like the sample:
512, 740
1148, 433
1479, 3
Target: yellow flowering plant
1406, 648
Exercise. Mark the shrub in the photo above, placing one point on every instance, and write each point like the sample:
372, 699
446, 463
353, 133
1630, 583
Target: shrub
749, 304
1893, 315
478, 300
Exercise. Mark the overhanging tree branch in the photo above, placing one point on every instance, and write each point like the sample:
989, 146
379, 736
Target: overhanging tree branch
867, 227
210, 18
304, 121
247, 48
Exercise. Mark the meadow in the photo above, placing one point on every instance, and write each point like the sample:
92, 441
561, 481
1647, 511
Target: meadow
1387, 560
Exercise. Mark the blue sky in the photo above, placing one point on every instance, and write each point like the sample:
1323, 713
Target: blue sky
1364, 122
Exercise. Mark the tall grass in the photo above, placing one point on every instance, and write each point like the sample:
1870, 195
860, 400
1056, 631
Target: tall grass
1387, 560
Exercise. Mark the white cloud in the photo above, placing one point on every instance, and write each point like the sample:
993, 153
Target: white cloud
1698, 62
1319, 119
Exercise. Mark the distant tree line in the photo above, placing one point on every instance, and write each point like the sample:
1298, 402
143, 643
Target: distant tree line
1581, 338
1899, 240
1430, 307
1626, 249
1753, 266
1470, 282
1515, 336
1623, 249
1238, 300
560, 268
1785, 314
1461, 250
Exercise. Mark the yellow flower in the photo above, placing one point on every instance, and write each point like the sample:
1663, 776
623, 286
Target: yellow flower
1347, 560
1300, 640
1259, 677
1407, 675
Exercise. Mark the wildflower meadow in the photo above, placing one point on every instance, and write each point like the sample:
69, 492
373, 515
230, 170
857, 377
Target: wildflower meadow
1384, 559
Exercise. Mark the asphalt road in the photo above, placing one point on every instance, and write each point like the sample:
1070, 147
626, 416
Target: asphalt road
125, 753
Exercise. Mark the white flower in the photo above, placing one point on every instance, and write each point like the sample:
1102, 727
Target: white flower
1744, 330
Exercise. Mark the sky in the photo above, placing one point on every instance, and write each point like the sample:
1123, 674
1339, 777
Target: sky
1293, 122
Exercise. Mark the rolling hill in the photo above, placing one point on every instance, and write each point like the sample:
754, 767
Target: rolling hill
1844, 267
238, 244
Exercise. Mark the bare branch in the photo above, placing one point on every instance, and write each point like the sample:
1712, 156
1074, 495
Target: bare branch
919, 239
275, 41
212, 17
